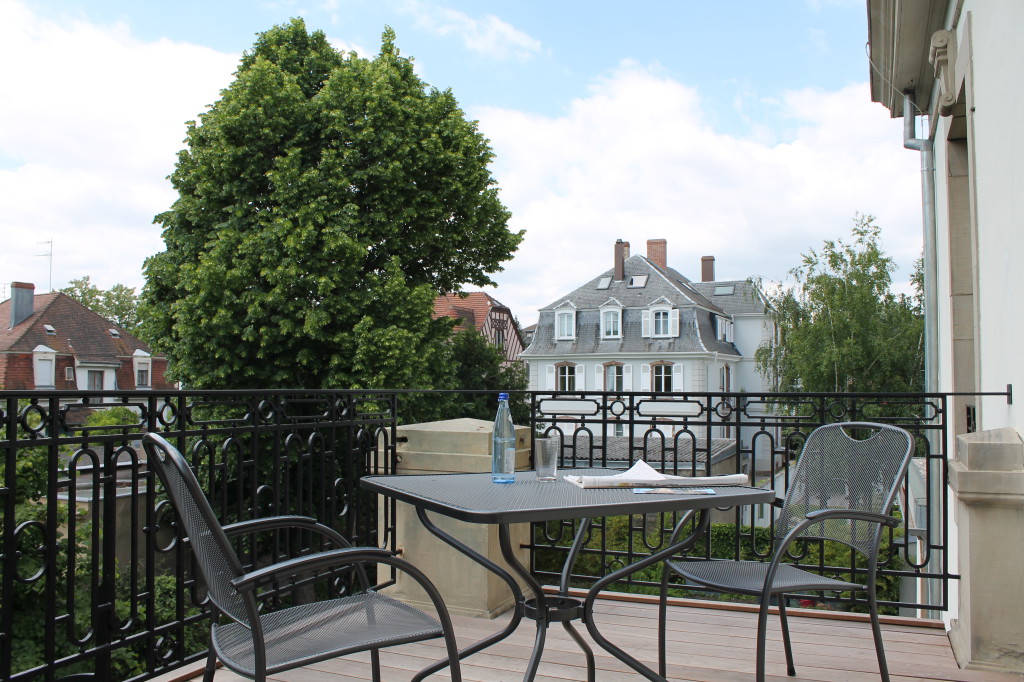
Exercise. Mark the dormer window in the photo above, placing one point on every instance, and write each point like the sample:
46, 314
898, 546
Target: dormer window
611, 319
50, 329
723, 329
565, 324
661, 320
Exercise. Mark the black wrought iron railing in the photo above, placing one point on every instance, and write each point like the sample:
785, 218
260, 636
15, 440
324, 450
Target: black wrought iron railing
760, 435
93, 580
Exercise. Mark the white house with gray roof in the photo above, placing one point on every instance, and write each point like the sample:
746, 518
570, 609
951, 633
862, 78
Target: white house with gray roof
642, 326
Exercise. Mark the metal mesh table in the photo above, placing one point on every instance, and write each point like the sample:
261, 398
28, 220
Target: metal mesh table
474, 498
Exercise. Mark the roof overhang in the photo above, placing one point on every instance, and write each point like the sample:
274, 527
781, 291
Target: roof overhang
899, 37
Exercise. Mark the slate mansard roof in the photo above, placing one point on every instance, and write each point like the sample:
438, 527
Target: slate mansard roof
697, 302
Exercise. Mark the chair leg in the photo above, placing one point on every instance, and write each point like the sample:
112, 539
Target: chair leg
662, 618
375, 664
790, 668
211, 665
762, 634
876, 631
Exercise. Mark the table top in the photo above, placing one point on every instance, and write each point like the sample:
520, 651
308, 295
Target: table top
474, 498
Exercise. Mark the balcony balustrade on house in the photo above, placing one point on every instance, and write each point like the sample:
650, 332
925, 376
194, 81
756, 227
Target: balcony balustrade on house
102, 586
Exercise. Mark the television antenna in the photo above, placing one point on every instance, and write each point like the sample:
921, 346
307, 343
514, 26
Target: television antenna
50, 256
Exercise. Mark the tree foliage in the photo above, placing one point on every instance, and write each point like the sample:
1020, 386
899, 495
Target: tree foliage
480, 365
840, 327
119, 304
322, 202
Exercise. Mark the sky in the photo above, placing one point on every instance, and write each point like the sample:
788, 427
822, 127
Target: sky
741, 129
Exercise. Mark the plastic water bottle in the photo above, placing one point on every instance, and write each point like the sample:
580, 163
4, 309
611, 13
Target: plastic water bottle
503, 444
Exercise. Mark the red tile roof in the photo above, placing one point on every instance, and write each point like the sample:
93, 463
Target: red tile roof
78, 331
471, 307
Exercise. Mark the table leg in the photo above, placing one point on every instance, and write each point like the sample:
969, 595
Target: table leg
588, 605
518, 610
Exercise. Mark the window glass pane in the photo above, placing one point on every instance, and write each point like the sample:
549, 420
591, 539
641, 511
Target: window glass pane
662, 378
566, 378
142, 378
565, 325
611, 323
613, 378
95, 380
661, 323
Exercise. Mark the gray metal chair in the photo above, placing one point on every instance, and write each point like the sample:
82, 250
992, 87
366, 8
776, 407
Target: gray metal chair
842, 489
256, 644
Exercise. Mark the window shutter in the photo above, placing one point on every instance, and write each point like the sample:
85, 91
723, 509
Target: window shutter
627, 377
677, 378
645, 324
599, 384
581, 384
645, 377
674, 329
549, 383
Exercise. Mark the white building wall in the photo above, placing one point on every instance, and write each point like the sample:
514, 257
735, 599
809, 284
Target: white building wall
997, 174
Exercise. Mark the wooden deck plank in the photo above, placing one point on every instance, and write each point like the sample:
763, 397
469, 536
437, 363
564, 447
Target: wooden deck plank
705, 645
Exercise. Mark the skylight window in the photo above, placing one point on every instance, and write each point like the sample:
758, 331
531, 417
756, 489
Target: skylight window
637, 281
116, 334
49, 328
725, 290
604, 283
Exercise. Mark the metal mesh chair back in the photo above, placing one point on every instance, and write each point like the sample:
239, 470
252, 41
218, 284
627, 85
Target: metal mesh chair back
214, 555
853, 466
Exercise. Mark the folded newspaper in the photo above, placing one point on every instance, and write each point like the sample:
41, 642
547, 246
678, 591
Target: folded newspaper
643, 475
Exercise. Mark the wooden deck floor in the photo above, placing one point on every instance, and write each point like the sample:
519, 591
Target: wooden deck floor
705, 645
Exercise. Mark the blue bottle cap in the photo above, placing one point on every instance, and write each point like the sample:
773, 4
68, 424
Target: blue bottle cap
502, 396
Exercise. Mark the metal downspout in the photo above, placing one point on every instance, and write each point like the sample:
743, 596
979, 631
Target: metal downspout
926, 147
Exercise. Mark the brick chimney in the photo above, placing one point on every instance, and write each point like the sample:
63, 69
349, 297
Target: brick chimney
22, 302
707, 268
656, 252
621, 254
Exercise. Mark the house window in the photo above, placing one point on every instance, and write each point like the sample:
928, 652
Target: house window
142, 377
661, 377
499, 339
637, 282
95, 380
566, 375
619, 429
610, 320
661, 327
723, 328
565, 324
613, 378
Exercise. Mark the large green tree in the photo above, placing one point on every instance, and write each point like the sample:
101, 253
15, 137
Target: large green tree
322, 202
840, 326
119, 304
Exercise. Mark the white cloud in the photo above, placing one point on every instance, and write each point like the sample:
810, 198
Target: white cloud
90, 125
637, 160
488, 35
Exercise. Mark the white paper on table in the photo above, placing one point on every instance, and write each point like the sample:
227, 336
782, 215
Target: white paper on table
643, 475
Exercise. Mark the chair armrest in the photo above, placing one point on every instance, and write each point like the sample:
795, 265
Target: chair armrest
311, 562
855, 515
778, 501
283, 523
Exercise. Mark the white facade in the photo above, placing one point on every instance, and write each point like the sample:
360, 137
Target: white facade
958, 63
644, 327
